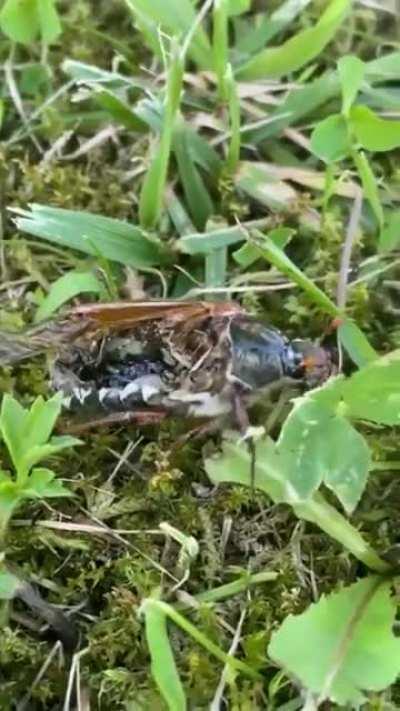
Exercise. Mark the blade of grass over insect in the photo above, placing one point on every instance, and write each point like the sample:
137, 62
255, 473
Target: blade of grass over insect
297, 51
356, 343
153, 189
190, 629
93, 234
163, 667
273, 254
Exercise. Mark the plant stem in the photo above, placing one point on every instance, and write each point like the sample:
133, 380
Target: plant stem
201, 638
318, 511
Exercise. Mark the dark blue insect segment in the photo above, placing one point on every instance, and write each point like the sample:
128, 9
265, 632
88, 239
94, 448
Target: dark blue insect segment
261, 355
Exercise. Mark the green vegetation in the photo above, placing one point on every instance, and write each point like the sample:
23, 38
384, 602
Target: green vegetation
155, 148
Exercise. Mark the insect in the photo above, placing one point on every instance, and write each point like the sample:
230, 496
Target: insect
141, 361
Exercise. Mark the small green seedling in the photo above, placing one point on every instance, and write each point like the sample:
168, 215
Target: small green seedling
27, 436
353, 131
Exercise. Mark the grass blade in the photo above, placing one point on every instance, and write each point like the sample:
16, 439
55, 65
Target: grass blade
65, 288
91, 234
232, 159
220, 46
163, 667
369, 184
196, 194
293, 54
152, 195
273, 254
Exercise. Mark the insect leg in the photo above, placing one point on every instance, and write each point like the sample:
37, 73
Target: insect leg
243, 422
140, 417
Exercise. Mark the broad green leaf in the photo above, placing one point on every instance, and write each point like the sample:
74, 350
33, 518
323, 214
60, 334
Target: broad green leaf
369, 184
330, 140
343, 644
119, 110
298, 50
351, 72
372, 132
65, 288
40, 421
356, 343
273, 254
316, 446
50, 25
163, 667
175, 18
373, 393
233, 466
347, 461
19, 20
37, 453
9, 584
42, 484
1, 112
390, 236
197, 196
93, 234
23, 20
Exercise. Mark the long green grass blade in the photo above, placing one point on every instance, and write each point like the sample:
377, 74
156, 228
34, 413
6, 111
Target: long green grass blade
197, 196
153, 189
273, 254
293, 54
163, 667
91, 234
220, 45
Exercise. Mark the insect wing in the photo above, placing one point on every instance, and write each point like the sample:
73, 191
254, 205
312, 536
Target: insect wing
127, 314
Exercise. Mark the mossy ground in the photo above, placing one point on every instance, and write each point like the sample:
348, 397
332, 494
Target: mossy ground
105, 578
